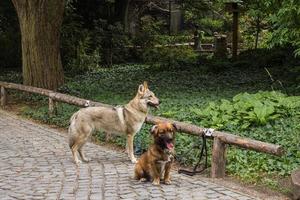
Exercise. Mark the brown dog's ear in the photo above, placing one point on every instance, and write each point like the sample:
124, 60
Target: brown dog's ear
154, 130
175, 127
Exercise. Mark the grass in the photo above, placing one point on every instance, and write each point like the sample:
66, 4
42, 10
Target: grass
181, 90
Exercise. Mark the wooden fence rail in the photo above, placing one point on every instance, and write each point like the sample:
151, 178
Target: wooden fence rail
221, 139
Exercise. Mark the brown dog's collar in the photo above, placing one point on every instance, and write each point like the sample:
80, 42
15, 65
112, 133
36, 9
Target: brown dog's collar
169, 152
170, 159
163, 161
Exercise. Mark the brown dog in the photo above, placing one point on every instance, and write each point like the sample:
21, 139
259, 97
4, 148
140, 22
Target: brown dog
155, 164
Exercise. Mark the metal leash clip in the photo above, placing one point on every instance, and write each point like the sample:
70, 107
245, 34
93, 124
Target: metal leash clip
87, 103
208, 131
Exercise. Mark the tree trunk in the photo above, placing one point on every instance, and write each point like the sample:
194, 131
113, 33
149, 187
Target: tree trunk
40, 22
125, 17
257, 32
121, 12
235, 33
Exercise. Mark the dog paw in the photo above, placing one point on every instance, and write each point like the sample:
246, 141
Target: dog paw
155, 182
168, 182
133, 160
143, 180
86, 160
77, 162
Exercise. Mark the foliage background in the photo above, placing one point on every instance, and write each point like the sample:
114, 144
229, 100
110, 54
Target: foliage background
105, 62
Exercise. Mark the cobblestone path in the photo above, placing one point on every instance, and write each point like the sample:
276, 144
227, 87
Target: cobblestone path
35, 163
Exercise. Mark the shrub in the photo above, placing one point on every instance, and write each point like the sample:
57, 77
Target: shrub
157, 49
85, 59
268, 57
248, 109
112, 40
170, 56
253, 115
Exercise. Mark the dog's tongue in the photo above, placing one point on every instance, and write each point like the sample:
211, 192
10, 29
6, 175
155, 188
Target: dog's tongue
170, 145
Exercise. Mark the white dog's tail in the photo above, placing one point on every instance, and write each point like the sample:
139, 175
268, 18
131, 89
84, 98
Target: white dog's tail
72, 124
74, 116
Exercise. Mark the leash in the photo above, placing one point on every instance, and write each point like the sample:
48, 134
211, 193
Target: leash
203, 153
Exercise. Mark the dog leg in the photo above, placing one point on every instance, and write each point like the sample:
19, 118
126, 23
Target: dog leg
130, 148
167, 179
83, 158
162, 173
138, 172
107, 137
74, 152
126, 148
154, 174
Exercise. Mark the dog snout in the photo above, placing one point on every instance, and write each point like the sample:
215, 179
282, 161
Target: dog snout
156, 101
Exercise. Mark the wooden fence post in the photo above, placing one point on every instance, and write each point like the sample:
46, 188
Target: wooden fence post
220, 46
218, 159
3, 97
52, 106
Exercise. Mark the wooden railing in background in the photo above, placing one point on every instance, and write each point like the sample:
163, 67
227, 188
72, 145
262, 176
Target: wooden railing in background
221, 139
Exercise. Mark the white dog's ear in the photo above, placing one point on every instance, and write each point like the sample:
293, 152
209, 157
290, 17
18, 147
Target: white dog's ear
145, 85
141, 89
154, 129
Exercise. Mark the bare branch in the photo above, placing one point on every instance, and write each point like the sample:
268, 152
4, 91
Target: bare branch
153, 5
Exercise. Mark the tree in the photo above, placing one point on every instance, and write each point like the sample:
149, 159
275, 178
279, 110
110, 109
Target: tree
40, 22
255, 18
285, 24
10, 52
121, 9
207, 16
